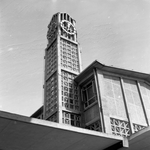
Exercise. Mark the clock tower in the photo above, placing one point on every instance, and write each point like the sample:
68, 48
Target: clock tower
62, 65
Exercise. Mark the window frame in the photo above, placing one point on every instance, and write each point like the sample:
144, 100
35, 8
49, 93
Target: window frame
89, 101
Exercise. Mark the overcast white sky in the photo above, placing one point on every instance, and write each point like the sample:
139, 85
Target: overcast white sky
112, 31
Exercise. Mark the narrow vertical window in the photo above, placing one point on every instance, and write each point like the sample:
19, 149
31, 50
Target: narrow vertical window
89, 94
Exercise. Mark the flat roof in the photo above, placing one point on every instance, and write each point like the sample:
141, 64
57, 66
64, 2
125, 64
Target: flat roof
24, 133
120, 71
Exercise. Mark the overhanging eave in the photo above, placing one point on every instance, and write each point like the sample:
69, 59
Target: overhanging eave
20, 132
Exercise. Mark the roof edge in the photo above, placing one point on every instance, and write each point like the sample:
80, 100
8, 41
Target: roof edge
111, 69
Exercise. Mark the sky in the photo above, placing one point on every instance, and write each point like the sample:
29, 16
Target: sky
114, 32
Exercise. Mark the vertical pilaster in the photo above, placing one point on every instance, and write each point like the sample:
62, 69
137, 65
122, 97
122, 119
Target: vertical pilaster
44, 111
81, 107
103, 104
99, 100
143, 106
79, 56
59, 98
126, 107
75, 36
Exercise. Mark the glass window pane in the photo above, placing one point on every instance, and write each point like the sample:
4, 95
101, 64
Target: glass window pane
90, 92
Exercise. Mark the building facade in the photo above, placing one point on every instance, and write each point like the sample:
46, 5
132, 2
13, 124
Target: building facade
101, 98
114, 100
62, 65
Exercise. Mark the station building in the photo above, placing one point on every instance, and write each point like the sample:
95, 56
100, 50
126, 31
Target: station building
114, 100
101, 98
99, 108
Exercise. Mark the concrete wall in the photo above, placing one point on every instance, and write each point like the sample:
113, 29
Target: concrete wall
125, 103
91, 113
134, 102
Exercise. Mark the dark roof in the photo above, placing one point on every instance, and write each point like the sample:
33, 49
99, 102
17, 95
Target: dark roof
19, 133
120, 71
140, 140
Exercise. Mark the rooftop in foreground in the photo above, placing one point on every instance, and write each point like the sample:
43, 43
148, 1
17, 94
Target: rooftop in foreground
23, 133
140, 140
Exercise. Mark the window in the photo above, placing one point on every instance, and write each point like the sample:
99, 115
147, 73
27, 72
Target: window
89, 93
71, 119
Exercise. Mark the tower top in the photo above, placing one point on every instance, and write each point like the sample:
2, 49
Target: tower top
64, 25
63, 16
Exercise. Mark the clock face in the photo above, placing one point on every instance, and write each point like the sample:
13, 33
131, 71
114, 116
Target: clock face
68, 27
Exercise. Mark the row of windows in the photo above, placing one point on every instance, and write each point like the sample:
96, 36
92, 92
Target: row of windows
72, 50
64, 42
70, 63
68, 53
51, 95
69, 56
70, 103
69, 68
51, 61
67, 35
71, 119
69, 90
67, 45
68, 75
68, 94
70, 99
